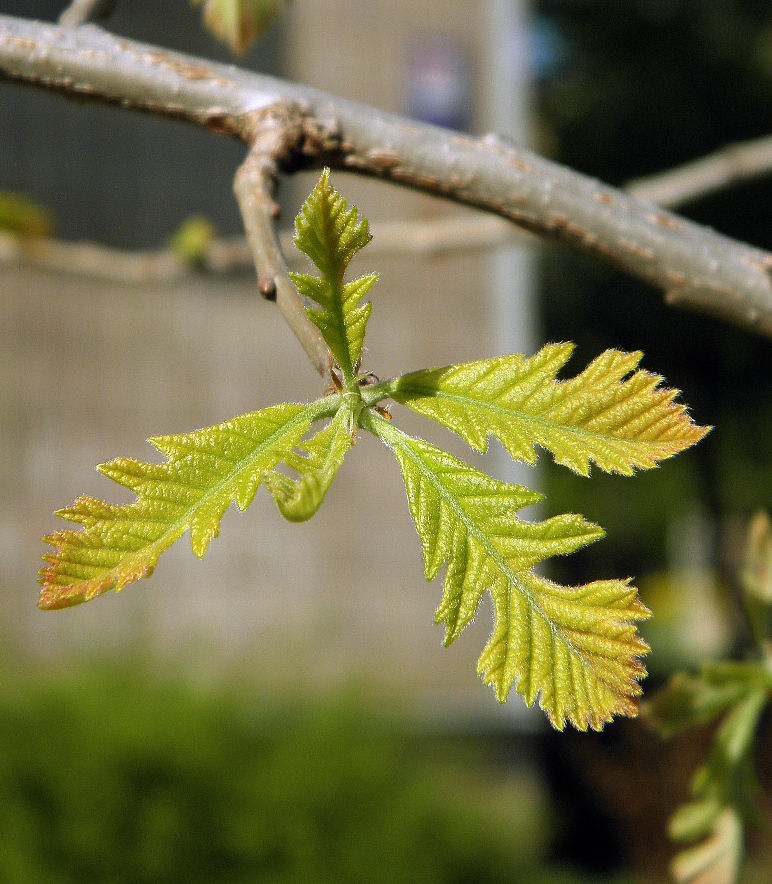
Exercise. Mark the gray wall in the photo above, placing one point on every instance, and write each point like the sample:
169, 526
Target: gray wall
123, 178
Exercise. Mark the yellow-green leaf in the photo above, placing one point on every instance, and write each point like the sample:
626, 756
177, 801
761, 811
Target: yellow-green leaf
610, 414
203, 474
331, 234
299, 499
575, 649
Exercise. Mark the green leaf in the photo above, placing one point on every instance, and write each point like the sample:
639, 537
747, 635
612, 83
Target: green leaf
203, 474
192, 238
695, 819
602, 415
729, 770
724, 789
20, 215
299, 499
239, 22
717, 859
331, 234
690, 701
576, 649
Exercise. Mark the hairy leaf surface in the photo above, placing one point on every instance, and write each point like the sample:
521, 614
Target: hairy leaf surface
576, 649
299, 499
203, 474
331, 234
620, 421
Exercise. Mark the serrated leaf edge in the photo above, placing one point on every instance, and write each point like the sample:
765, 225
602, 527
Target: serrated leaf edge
330, 234
625, 691
611, 379
97, 517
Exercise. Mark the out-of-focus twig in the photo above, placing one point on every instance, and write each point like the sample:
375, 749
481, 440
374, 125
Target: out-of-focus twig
81, 11
726, 167
229, 255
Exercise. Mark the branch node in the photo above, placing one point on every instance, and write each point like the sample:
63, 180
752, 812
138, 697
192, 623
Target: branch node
267, 289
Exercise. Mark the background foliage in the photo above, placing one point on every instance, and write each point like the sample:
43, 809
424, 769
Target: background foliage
129, 774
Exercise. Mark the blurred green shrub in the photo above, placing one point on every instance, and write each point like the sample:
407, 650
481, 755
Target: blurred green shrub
111, 775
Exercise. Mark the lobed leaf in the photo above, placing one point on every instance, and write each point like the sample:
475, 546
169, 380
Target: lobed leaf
575, 649
331, 234
606, 415
299, 499
203, 474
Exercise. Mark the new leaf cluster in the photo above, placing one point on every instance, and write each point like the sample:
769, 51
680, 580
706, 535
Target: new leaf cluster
574, 649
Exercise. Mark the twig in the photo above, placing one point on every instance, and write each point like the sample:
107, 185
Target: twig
424, 239
276, 131
726, 167
695, 266
81, 11
93, 260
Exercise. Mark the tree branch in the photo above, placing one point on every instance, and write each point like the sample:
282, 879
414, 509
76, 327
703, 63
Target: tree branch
696, 267
426, 239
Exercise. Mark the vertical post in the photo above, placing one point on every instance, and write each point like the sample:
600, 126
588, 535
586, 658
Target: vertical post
507, 99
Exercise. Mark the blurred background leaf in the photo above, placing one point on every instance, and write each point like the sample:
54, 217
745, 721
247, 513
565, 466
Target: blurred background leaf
125, 773
239, 22
23, 216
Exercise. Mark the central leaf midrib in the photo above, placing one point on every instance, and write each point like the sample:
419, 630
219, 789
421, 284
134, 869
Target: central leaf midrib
176, 529
403, 442
466, 401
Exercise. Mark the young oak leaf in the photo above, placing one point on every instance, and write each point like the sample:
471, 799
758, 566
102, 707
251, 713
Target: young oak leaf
576, 649
331, 234
620, 421
299, 499
203, 474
